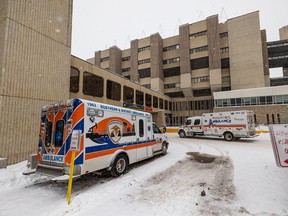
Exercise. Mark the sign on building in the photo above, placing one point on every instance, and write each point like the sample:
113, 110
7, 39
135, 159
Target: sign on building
279, 139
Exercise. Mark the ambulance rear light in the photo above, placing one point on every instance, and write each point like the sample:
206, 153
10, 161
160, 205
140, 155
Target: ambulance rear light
46, 108
69, 102
55, 106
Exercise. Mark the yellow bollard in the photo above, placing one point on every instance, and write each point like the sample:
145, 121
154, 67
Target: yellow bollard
70, 178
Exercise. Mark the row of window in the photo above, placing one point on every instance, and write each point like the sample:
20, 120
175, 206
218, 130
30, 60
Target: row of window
104, 59
127, 58
224, 49
198, 34
252, 101
144, 61
199, 49
172, 60
172, 85
173, 47
193, 105
125, 69
143, 48
200, 79
93, 85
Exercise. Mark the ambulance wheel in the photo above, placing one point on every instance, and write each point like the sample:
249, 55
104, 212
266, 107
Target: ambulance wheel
164, 149
120, 165
182, 134
228, 136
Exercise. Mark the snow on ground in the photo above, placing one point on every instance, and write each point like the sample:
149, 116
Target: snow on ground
243, 180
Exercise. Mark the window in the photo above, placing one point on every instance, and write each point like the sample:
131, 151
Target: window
155, 102
199, 63
144, 61
143, 48
113, 90
175, 94
161, 103
172, 60
200, 79
144, 73
127, 58
59, 133
278, 118
224, 49
148, 100
172, 85
223, 34
128, 94
198, 49
198, 34
267, 118
170, 106
127, 77
166, 104
173, 47
48, 135
156, 130
104, 59
225, 63
197, 122
141, 128
74, 80
225, 79
202, 92
147, 86
175, 71
139, 97
92, 85
188, 122
125, 69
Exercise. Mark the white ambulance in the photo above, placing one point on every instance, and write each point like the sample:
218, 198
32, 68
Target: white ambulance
231, 125
111, 138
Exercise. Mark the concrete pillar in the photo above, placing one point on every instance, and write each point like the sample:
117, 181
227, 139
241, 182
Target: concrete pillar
97, 60
283, 33
265, 58
115, 60
214, 53
134, 61
185, 68
157, 77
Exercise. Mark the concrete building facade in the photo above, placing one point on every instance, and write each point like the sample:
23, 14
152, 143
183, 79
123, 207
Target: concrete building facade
35, 52
205, 57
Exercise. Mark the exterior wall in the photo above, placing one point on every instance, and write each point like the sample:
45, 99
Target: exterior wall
265, 58
245, 50
35, 49
185, 68
97, 58
156, 63
115, 58
214, 53
134, 61
283, 33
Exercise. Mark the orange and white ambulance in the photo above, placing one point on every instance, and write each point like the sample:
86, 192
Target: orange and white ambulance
110, 138
231, 125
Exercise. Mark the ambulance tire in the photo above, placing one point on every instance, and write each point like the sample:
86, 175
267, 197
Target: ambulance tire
164, 149
228, 136
120, 165
182, 134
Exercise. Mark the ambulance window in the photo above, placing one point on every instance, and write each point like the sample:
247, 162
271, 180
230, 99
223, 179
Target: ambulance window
156, 130
48, 134
188, 121
197, 122
59, 133
141, 128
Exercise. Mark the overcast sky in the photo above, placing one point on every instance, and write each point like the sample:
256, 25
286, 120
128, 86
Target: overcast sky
98, 25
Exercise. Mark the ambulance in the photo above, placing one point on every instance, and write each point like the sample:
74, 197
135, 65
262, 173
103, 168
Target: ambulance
110, 138
231, 125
